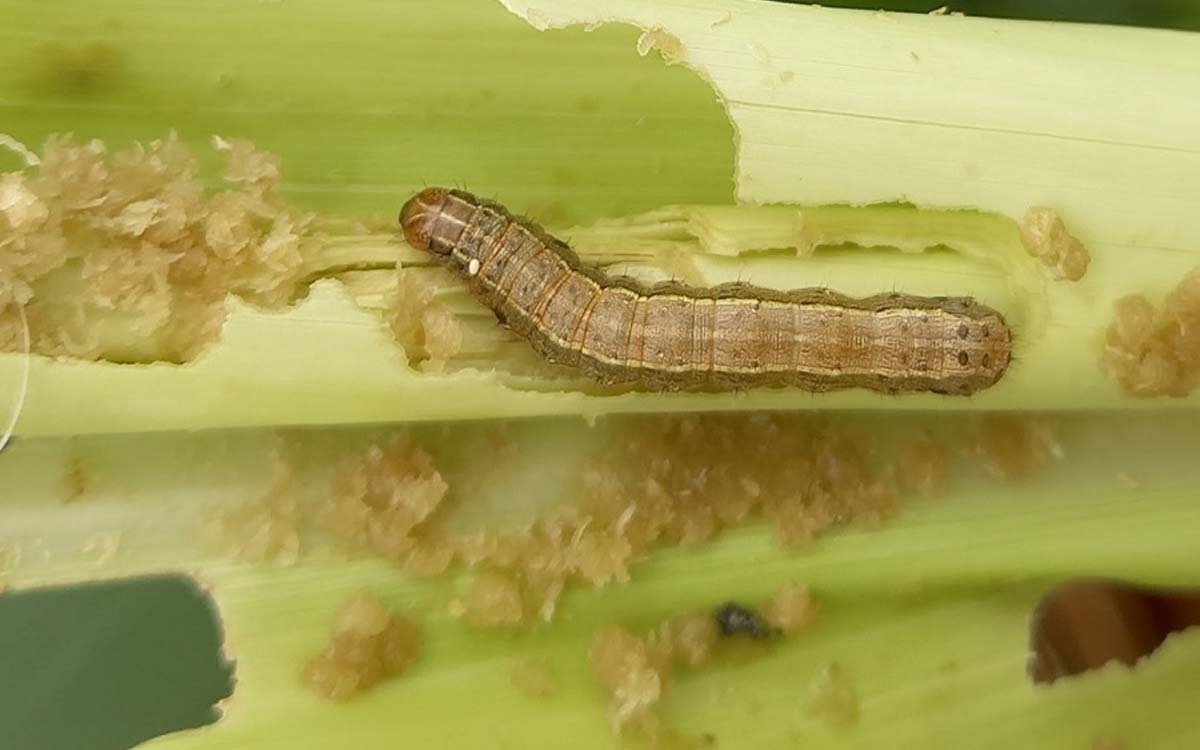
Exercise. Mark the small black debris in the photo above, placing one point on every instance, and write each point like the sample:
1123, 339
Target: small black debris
734, 619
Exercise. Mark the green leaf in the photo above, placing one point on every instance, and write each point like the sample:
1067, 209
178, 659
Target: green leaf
902, 133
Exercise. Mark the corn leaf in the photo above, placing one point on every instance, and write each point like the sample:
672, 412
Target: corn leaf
880, 139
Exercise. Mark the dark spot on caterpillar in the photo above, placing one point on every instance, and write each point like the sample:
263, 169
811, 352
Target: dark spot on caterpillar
963, 331
734, 619
963, 358
987, 360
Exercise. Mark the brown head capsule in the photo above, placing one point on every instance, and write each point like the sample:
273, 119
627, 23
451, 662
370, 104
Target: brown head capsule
419, 218
732, 336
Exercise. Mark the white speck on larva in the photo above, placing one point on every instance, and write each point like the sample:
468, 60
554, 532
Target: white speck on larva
473, 267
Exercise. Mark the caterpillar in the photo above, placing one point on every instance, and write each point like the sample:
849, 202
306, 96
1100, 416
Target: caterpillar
671, 336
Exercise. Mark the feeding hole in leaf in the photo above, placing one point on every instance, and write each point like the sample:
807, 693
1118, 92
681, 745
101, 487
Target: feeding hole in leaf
108, 665
1085, 624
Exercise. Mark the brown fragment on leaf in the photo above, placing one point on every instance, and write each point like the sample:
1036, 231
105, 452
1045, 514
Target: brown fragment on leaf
833, 696
625, 667
1045, 236
266, 530
74, 482
637, 671
791, 609
541, 592
368, 644
669, 46
661, 481
431, 556
494, 600
685, 478
428, 332
534, 678
247, 165
1156, 352
1013, 447
921, 466
688, 639
31, 243
603, 556
126, 257
382, 497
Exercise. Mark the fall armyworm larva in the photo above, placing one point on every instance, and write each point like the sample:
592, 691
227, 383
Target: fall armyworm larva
671, 336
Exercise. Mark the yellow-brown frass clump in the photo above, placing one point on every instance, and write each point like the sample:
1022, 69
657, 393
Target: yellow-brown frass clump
688, 639
683, 479
833, 696
633, 675
382, 497
266, 530
493, 600
662, 480
1156, 352
368, 644
1045, 236
921, 466
636, 672
125, 256
680, 480
791, 609
534, 678
428, 332
1013, 447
